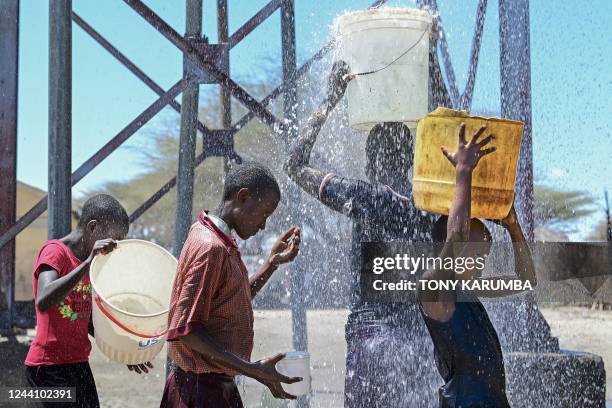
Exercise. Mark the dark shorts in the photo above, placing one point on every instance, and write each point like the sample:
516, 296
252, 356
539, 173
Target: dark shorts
66, 375
189, 390
389, 366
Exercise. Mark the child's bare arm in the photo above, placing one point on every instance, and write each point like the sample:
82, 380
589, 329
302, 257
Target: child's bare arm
263, 371
523, 261
52, 289
464, 160
438, 304
298, 166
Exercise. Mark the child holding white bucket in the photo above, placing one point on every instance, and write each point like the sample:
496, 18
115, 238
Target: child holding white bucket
59, 353
210, 330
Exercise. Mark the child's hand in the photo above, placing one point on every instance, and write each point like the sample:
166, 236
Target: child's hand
338, 81
103, 246
468, 155
265, 372
511, 220
286, 247
140, 368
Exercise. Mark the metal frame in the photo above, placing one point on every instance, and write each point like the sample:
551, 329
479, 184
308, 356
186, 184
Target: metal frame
188, 132
60, 118
515, 78
199, 56
9, 47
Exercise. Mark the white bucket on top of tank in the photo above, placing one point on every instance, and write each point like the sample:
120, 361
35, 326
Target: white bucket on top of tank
389, 48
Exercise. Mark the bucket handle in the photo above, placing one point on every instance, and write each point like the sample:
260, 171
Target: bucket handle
392, 62
121, 325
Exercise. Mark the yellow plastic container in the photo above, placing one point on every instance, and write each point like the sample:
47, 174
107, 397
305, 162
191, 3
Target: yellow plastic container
433, 183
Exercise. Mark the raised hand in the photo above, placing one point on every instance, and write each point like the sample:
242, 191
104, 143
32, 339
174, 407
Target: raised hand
469, 154
338, 81
265, 373
286, 247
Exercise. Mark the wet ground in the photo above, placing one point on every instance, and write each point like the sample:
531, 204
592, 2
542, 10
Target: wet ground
577, 329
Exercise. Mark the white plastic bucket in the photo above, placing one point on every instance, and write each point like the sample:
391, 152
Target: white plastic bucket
131, 295
371, 40
296, 364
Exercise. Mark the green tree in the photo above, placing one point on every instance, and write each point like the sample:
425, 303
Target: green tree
560, 209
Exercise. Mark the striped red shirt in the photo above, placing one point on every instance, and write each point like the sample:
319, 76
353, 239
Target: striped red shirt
211, 290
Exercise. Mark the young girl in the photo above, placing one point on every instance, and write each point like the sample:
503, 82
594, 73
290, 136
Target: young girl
59, 354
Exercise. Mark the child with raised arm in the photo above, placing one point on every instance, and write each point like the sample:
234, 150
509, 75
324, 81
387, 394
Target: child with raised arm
210, 331
467, 349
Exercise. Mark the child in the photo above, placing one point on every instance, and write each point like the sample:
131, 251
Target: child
467, 348
381, 210
210, 331
59, 353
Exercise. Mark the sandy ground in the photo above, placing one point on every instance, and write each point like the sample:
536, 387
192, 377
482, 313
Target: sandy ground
118, 387
577, 329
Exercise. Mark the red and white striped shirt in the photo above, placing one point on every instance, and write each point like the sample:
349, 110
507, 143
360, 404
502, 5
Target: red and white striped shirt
211, 290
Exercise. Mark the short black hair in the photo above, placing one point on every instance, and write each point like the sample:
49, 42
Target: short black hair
394, 141
388, 136
438, 233
105, 209
252, 175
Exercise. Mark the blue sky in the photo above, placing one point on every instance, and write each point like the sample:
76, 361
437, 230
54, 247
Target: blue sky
571, 78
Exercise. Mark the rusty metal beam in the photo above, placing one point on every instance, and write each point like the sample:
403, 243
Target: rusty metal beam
253, 22
94, 160
278, 90
128, 131
515, 76
239, 124
9, 73
468, 93
200, 59
60, 118
432, 6
225, 97
188, 133
608, 220
129, 64
289, 65
166, 98
299, 323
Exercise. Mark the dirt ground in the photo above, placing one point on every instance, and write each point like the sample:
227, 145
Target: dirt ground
577, 329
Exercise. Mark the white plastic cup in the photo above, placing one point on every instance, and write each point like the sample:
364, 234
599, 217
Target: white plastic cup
296, 364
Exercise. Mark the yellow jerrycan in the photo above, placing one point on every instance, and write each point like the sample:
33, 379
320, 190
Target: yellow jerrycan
433, 182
